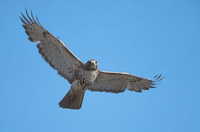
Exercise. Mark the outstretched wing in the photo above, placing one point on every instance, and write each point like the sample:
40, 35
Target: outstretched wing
52, 49
118, 82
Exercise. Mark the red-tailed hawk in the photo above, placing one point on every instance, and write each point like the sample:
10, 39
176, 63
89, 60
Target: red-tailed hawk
81, 76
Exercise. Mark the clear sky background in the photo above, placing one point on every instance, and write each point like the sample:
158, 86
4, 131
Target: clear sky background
140, 37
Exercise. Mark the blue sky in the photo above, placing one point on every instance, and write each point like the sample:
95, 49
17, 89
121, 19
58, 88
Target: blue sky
141, 37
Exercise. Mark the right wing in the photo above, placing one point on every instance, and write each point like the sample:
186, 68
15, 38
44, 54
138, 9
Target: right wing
52, 49
116, 82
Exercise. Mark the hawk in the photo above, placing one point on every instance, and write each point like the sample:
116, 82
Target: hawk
81, 76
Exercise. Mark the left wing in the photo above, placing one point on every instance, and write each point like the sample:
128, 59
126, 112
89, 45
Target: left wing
52, 49
119, 81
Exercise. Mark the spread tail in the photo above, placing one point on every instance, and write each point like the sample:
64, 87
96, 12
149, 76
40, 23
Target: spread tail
72, 100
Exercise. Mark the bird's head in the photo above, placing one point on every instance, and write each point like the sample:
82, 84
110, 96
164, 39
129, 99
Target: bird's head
91, 65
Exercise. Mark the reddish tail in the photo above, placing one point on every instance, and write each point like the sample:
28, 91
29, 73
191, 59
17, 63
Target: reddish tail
72, 100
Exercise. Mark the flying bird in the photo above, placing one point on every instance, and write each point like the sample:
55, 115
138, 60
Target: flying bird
82, 76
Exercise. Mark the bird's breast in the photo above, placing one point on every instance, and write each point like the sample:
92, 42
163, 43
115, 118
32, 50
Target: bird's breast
87, 77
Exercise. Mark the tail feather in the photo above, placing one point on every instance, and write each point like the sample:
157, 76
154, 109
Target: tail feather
72, 100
